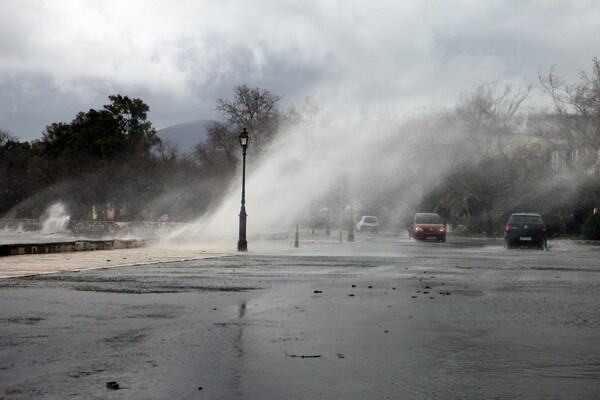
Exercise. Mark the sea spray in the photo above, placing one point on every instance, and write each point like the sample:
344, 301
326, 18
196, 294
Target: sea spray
55, 219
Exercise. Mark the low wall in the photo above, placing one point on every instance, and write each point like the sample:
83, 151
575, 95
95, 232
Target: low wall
138, 228
65, 247
98, 228
21, 224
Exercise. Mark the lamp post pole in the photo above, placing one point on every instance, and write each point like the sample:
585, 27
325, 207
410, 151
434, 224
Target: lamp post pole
242, 244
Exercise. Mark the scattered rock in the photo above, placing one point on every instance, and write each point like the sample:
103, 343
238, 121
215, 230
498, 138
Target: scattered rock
370, 287
318, 291
112, 385
350, 295
414, 297
353, 285
302, 355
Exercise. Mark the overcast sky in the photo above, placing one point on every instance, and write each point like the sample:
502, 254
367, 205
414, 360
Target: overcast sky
64, 56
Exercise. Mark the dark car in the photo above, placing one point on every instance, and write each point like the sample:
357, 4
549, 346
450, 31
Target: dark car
427, 226
525, 229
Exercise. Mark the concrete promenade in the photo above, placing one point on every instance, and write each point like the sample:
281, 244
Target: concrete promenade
34, 264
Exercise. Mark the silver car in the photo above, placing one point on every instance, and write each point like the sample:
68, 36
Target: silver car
367, 223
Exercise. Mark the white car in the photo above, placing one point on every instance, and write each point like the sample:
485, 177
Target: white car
367, 223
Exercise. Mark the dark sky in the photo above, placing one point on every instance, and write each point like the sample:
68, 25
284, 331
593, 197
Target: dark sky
61, 57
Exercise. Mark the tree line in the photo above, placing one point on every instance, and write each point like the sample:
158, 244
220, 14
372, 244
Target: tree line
113, 156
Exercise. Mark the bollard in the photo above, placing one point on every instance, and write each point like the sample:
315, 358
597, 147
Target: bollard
351, 226
297, 235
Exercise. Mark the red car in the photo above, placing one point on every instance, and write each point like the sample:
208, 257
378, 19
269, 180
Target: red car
427, 226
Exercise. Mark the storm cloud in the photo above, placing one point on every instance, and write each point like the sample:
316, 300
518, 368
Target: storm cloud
59, 58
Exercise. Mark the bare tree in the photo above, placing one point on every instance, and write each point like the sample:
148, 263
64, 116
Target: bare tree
222, 138
489, 119
577, 113
254, 109
487, 114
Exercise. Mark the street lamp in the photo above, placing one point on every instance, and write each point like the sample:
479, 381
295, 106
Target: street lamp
242, 243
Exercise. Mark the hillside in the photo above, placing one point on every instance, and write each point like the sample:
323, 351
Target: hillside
185, 136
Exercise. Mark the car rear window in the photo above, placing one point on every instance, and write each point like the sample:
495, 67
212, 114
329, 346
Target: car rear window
428, 219
370, 220
526, 220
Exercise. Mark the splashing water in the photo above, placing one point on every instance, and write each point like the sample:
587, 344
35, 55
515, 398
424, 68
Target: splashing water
55, 219
308, 162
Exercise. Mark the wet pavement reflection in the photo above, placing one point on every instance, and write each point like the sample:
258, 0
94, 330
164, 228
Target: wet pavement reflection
383, 317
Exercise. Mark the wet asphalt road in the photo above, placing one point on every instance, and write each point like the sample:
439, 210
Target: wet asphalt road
383, 317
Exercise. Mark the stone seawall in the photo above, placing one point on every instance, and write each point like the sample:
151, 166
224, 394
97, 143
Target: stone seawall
97, 228
112, 228
26, 225
65, 247
86, 235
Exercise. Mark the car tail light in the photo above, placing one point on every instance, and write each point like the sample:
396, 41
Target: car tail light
508, 228
542, 230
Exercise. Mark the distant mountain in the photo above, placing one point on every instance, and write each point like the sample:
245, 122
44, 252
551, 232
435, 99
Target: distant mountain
185, 136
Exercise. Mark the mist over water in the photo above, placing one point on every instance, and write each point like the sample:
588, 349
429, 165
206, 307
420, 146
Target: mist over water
311, 163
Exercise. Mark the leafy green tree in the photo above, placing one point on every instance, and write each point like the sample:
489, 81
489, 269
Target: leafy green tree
591, 227
110, 152
121, 128
131, 117
5, 137
15, 183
